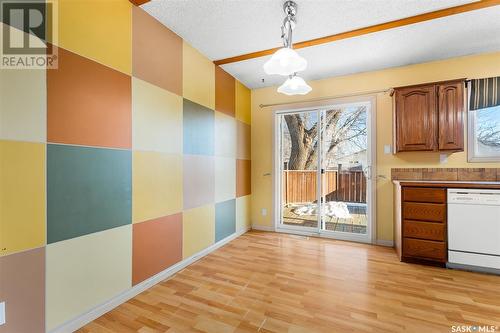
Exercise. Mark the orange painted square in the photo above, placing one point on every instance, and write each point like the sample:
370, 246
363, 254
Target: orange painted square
225, 92
243, 142
243, 178
156, 52
156, 245
88, 103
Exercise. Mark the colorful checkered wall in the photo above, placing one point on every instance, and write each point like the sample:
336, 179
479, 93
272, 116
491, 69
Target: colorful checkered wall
130, 157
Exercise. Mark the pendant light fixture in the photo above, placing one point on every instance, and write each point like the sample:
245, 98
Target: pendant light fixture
286, 61
294, 85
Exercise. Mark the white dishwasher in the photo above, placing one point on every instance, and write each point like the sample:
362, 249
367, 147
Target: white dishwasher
474, 229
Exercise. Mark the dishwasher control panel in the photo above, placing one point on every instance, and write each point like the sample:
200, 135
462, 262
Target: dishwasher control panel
474, 197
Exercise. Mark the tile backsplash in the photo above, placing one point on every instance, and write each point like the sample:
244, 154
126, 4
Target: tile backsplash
446, 174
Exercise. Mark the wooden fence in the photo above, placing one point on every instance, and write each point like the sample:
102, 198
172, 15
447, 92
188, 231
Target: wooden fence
300, 186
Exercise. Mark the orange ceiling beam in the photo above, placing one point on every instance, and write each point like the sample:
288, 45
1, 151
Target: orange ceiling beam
368, 30
139, 2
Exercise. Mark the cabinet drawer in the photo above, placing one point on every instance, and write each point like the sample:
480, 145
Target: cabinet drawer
424, 230
424, 194
424, 249
424, 211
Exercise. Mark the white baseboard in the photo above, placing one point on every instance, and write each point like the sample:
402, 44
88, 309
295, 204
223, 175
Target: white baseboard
82, 320
262, 227
383, 242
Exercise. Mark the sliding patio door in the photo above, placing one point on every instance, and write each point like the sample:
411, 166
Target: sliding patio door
325, 167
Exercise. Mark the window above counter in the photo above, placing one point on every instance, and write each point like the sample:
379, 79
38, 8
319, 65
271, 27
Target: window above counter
484, 120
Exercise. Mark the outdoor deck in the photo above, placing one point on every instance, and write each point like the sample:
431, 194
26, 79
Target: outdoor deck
356, 224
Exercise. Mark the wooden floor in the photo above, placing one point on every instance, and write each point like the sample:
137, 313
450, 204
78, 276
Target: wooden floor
270, 282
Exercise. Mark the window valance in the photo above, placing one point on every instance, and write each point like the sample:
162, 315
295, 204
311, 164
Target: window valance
485, 93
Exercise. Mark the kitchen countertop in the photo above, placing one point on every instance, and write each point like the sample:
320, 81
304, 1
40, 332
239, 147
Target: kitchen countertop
449, 183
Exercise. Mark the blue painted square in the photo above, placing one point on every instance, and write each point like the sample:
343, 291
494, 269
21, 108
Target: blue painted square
225, 219
88, 190
198, 129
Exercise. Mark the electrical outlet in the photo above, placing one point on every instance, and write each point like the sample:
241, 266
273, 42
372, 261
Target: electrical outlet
387, 149
263, 211
443, 158
2, 313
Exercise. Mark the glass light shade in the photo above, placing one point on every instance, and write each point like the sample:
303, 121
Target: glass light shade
285, 61
294, 86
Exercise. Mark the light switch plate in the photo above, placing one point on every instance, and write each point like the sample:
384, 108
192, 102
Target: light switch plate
387, 149
264, 211
2, 313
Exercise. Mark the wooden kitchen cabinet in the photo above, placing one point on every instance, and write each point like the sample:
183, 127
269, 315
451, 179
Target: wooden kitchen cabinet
416, 118
423, 217
429, 117
451, 116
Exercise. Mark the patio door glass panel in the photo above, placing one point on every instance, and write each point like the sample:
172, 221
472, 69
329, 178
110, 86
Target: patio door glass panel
299, 166
345, 169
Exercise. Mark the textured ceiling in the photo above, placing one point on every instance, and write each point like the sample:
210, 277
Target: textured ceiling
225, 28
453, 36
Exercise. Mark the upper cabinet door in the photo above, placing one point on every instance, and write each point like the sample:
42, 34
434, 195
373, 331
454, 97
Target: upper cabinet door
416, 118
451, 116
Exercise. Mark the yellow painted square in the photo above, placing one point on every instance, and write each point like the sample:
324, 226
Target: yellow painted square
198, 230
198, 72
22, 196
156, 118
243, 219
243, 103
98, 29
156, 185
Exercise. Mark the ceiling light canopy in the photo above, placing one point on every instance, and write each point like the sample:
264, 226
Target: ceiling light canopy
294, 85
286, 61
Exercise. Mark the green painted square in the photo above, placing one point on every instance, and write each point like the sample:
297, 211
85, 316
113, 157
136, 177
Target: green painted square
88, 190
225, 219
198, 129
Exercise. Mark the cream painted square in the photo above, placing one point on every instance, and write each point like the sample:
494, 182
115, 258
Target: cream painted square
243, 103
225, 178
198, 81
86, 271
198, 230
225, 135
243, 213
23, 105
156, 185
156, 118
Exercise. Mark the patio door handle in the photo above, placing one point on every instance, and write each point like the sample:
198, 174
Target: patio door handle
368, 172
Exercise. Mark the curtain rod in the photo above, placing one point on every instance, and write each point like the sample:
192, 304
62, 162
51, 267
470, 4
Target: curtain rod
327, 98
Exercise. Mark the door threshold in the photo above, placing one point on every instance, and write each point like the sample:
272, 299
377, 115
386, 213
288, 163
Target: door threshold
327, 235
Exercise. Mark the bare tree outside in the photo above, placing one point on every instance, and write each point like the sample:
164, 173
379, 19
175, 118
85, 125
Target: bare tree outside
344, 133
488, 132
